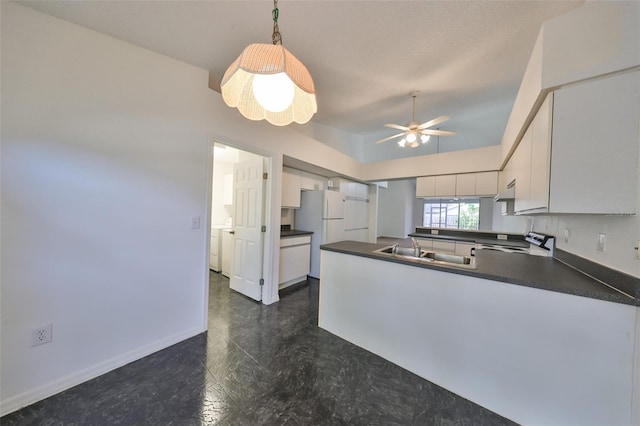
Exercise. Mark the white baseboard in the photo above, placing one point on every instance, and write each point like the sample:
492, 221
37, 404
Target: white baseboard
39, 393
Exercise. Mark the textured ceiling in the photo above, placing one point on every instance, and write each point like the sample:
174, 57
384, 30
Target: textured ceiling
467, 58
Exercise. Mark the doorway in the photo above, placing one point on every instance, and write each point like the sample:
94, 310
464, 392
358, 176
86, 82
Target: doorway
238, 194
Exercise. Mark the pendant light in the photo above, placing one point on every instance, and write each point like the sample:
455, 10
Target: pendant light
267, 82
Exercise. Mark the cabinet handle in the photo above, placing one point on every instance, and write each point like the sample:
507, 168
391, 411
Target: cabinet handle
232, 232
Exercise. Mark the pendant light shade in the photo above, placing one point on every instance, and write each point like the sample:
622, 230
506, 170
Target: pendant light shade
256, 84
267, 82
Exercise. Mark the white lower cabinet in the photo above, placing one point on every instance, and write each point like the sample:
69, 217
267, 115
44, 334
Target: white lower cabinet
464, 249
226, 252
214, 250
444, 246
295, 260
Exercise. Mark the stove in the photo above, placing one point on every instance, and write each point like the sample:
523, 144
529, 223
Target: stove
539, 245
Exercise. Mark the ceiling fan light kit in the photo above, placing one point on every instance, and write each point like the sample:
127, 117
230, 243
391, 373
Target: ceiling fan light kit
267, 82
414, 134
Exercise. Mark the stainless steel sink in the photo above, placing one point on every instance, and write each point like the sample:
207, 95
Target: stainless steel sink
449, 258
443, 259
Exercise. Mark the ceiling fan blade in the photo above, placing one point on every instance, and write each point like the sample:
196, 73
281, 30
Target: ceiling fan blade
435, 132
397, 126
391, 137
434, 122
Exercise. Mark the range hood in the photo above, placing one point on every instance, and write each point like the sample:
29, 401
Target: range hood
508, 195
507, 199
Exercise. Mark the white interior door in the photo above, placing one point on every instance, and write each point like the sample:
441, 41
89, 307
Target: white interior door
246, 269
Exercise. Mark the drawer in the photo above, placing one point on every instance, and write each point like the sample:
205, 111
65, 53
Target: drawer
295, 241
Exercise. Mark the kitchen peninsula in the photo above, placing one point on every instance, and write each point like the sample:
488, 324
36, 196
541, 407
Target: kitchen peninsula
525, 336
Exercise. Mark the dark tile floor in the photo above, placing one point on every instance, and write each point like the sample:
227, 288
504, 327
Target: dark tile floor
258, 365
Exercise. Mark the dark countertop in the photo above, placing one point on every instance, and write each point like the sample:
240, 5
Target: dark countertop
478, 240
471, 236
293, 233
540, 272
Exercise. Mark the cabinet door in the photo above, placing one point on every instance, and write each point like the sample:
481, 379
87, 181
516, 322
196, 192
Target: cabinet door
541, 156
446, 186
594, 154
426, 186
444, 246
466, 185
226, 252
295, 261
290, 188
464, 249
214, 250
522, 172
487, 184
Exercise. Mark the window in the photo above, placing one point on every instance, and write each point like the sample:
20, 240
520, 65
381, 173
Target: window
456, 214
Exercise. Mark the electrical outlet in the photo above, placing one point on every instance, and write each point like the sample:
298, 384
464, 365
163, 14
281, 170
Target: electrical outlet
195, 222
566, 235
602, 241
637, 247
42, 335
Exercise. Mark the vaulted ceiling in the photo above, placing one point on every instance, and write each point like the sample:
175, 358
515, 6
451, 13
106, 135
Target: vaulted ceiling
466, 58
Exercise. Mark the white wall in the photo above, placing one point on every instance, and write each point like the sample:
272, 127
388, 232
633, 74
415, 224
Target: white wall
473, 160
105, 158
219, 211
396, 208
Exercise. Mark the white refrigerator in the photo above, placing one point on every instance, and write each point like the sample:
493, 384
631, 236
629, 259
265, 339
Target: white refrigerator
321, 212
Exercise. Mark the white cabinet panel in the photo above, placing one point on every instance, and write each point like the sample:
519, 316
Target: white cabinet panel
444, 246
426, 186
594, 160
464, 249
466, 185
445, 186
541, 156
522, 170
486, 183
295, 259
226, 252
214, 250
291, 188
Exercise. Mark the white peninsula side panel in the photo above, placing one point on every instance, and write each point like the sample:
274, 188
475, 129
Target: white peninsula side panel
533, 356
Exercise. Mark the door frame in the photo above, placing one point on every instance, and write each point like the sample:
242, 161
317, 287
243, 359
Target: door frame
271, 242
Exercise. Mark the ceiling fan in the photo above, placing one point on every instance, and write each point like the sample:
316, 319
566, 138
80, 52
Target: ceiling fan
415, 133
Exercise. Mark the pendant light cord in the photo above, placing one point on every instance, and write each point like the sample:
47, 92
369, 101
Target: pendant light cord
276, 37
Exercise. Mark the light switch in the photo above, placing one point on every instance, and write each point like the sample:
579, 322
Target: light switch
195, 222
602, 240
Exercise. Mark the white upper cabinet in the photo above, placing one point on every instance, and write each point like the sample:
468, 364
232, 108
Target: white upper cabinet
445, 185
522, 167
486, 184
466, 185
594, 157
426, 186
462, 185
541, 156
580, 152
291, 187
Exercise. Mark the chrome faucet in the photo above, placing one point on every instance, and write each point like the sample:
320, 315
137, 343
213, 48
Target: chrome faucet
415, 246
